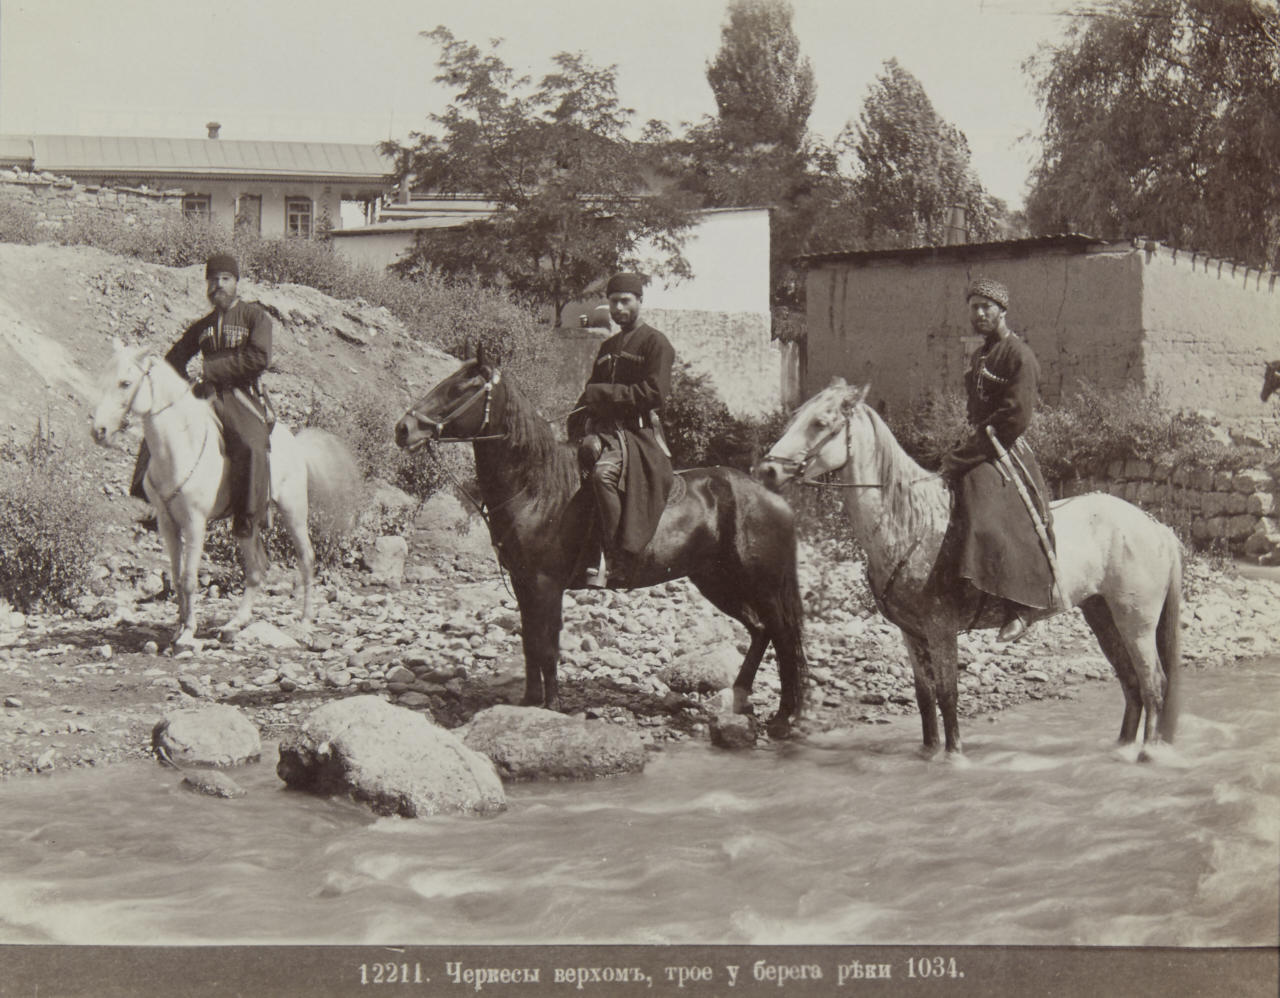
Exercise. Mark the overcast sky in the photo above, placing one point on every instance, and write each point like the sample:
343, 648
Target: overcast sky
358, 70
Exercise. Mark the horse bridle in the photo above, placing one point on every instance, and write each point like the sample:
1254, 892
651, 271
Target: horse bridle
484, 392
799, 466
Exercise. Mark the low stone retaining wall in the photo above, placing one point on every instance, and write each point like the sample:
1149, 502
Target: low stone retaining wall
1235, 509
56, 201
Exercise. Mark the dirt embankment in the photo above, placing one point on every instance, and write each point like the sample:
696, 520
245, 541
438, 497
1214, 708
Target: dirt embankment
86, 687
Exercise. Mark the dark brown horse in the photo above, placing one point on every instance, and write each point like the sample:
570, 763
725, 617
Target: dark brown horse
1270, 379
728, 535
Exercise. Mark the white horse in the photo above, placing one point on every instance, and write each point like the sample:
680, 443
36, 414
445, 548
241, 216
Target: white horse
1119, 565
187, 480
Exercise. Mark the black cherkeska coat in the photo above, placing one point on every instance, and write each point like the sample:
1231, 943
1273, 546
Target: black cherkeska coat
997, 547
629, 383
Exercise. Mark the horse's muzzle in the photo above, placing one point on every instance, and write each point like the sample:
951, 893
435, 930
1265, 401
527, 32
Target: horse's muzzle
771, 474
413, 432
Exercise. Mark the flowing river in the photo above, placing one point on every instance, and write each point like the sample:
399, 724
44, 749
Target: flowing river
1047, 836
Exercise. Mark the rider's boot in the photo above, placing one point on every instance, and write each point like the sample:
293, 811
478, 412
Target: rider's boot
1015, 624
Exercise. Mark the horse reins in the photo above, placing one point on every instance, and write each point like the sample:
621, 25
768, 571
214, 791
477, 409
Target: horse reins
204, 444
485, 391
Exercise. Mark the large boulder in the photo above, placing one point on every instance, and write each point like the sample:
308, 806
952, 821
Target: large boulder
530, 743
384, 559
708, 671
210, 735
391, 758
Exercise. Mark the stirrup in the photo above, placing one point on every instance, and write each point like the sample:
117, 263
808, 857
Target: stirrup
598, 575
1013, 628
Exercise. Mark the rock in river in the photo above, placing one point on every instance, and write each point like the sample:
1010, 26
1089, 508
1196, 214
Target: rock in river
530, 743
212, 735
393, 759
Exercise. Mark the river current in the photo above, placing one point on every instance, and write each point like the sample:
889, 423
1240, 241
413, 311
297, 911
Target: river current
1047, 835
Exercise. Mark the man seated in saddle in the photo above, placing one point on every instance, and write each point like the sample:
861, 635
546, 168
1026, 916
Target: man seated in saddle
235, 341
1000, 549
617, 421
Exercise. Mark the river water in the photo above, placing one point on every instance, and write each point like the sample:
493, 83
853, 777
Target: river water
1047, 836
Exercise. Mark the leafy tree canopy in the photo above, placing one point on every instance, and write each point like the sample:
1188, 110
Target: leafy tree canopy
912, 167
570, 191
764, 88
1162, 118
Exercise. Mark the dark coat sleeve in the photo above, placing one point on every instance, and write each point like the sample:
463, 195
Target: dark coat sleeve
188, 345
242, 364
1007, 411
647, 393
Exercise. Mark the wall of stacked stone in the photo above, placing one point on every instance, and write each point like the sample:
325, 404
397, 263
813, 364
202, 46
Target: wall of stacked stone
56, 201
1236, 509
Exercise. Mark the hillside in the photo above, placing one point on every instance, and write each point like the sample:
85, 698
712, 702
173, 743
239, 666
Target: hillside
61, 306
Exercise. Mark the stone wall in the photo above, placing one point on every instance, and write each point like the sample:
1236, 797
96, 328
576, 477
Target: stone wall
1233, 509
57, 200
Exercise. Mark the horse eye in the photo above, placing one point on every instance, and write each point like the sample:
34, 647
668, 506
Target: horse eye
125, 383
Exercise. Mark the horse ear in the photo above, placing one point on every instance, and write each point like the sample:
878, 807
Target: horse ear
836, 382
117, 344
856, 397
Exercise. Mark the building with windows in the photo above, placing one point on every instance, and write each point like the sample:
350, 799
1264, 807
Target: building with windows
272, 188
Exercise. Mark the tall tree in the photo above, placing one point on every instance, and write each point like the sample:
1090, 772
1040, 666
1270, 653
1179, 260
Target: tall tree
763, 86
912, 166
1162, 118
569, 190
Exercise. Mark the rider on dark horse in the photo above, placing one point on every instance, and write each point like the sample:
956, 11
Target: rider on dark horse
999, 549
617, 423
235, 341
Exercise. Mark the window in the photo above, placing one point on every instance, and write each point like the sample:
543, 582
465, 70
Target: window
249, 213
297, 218
196, 206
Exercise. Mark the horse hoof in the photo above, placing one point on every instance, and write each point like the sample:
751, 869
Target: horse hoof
778, 728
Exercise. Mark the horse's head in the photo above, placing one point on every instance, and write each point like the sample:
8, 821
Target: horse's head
125, 388
816, 440
464, 406
1270, 379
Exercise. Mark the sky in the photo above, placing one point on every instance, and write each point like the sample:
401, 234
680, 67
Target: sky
360, 71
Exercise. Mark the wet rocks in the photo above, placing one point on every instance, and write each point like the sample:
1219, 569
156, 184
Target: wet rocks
212, 783
529, 743
733, 731
707, 671
210, 735
392, 759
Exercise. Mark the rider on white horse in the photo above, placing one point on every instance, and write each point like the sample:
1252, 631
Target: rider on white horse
1002, 549
235, 341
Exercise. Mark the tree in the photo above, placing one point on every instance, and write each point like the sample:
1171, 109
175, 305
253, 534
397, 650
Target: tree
764, 88
912, 166
568, 189
1162, 119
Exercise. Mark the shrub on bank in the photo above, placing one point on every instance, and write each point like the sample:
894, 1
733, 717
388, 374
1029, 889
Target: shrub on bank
48, 527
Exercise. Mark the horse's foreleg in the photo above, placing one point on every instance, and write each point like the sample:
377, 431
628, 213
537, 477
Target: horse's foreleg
540, 622
172, 538
926, 695
187, 581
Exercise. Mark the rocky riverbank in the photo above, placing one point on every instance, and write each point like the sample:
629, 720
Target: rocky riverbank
86, 688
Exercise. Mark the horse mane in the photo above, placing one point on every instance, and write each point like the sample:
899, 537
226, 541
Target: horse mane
915, 499
544, 467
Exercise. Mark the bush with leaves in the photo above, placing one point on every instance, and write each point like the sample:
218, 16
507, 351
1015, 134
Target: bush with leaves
19, 223
47, 539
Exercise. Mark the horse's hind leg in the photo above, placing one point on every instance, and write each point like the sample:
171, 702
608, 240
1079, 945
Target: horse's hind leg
1098, 616
254, 560
295, 522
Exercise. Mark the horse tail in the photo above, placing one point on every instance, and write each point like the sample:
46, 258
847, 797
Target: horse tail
334, 481
1169, 645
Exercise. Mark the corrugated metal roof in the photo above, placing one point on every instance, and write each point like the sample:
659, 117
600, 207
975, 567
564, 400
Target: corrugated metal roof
449, 220
70, 155
1072, 241
16, 149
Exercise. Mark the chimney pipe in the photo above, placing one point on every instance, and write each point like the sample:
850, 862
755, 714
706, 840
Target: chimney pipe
213, 127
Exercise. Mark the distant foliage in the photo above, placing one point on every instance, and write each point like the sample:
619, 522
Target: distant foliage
1160, 120
47, 527
701, 431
